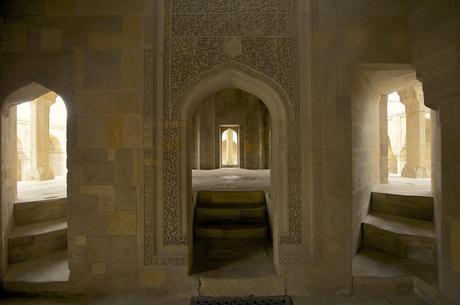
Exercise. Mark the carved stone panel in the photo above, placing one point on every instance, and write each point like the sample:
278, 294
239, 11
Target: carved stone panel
201, 38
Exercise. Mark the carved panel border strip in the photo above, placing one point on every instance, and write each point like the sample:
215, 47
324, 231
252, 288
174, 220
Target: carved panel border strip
148, 137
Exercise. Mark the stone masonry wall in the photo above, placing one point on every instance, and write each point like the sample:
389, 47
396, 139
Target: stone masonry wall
365, 111
91, 54
8, 185
344, 32
435, 41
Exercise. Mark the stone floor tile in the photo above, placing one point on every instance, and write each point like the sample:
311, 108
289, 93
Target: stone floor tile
307, 300
372, 299
337, 300
12, 300
404, 298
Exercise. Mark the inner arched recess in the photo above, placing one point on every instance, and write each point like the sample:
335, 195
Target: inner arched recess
231, 152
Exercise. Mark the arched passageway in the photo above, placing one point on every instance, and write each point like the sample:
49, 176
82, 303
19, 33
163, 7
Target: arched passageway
391, 168
276, 194
34, 188
231, 185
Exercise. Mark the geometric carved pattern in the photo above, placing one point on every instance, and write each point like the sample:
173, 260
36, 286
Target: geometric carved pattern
196, 32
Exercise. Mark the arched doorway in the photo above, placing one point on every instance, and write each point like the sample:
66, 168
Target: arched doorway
277, 204
33, 130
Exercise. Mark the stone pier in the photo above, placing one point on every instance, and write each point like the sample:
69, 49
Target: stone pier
40, 110
415, 134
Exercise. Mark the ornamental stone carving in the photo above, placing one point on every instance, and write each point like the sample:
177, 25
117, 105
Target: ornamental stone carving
232, 47
202, 37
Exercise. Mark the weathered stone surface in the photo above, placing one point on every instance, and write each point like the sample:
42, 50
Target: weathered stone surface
455, 242
98, 268
31, 212
417, 207
151, 279
401, 236
121, 223
125, 197
102, 70
36, 240
80, 240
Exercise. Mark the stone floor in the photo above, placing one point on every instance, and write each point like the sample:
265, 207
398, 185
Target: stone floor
376, 264
42, 190
218, 179
235, 258
390, 298
45, 269
231, 179
405, 186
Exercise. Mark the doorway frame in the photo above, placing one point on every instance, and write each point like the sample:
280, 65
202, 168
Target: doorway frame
278, 203
221, 127
29, 91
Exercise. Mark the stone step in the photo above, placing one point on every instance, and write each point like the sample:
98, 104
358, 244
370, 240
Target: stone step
375, 271
48, 273
231, 199
400, 236
418, 207
36, 211
37, 239
257, 231
212, 215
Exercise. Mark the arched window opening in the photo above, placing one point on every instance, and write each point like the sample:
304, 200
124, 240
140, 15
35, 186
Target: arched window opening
41, 152
409, 136
229, 146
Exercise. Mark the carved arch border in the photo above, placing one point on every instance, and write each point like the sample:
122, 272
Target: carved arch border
291, 216
235, 75
173, 208
164, 225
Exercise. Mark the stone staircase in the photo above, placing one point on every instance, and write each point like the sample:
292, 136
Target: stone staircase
37, 244
232, 248
402, 226
398, 242
233, 215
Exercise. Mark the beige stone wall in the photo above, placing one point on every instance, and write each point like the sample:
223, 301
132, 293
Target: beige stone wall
8, 184
91, 54
434, 43
344, 33
366, 148
231, 107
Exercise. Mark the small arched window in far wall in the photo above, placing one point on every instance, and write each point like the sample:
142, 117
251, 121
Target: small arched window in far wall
229, 146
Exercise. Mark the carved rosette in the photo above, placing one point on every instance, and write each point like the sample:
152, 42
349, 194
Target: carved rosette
202, 38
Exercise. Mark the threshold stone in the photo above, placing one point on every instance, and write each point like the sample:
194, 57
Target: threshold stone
251, 300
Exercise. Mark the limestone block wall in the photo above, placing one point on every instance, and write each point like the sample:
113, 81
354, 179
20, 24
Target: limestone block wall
365, 107
8, 185
232, 107
344, 33
434, 33
91, 54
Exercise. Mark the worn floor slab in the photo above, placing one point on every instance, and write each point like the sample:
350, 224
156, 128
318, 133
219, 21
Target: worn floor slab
395, 298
